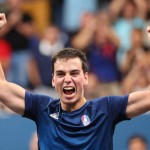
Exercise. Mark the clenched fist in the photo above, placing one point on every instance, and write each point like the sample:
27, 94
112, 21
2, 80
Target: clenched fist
2, 20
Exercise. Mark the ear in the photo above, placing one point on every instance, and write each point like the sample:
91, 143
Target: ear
86, 78
53, 83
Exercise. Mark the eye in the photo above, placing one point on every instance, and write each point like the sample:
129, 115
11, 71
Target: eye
75, 73
60, 74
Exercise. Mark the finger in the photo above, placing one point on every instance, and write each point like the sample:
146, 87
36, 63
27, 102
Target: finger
2, 16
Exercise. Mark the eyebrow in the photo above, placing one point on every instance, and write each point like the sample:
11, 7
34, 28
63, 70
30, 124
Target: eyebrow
59, 71
75, 70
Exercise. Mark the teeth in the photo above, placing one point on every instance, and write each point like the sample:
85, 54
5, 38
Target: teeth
68, 88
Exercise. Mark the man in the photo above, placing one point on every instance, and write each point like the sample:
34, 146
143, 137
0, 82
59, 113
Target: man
137, 142
72, 122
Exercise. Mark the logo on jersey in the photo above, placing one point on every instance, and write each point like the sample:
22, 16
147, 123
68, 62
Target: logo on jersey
54, 115
85, 120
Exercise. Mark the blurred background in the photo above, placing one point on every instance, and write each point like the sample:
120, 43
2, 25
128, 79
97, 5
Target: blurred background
112, 33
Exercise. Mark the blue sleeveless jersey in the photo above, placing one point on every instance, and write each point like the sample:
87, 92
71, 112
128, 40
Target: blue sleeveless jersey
89, 128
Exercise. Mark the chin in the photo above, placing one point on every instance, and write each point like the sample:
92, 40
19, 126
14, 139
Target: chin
69, 100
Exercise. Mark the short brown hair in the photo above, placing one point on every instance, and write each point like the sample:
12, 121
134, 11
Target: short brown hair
67, 53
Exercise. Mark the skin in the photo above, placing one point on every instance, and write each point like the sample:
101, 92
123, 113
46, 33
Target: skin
148, 32
2, 20
137, 144
69, 73
13, 95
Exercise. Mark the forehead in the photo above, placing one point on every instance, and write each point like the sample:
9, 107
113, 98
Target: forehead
68, 64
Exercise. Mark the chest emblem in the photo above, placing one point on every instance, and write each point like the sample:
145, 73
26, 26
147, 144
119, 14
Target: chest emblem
85, 120
54, 115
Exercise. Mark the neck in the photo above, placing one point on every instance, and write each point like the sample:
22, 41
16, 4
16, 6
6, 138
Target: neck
73, 106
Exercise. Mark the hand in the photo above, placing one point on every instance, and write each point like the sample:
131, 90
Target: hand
148, 31
2, 20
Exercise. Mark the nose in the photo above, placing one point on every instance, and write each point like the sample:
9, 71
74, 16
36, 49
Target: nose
67, 79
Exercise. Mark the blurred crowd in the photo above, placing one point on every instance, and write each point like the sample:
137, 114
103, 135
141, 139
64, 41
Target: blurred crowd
112, 33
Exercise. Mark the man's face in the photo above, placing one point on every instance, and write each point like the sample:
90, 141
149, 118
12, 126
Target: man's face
69, 81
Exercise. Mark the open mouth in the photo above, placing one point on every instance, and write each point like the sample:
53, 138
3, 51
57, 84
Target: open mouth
68, 90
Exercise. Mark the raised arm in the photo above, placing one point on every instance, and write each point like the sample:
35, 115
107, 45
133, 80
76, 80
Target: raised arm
11, 94
139, 102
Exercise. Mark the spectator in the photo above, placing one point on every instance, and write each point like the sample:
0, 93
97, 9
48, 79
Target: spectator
100, 42
42, 50
137, 142
15, 34
137, 60
5, 55
137, 44
126, 18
